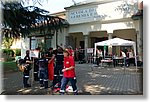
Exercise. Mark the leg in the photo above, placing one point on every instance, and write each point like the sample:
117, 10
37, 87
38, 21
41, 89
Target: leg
56, 73
26, 78
73, 82
41, 77
64, 82
125, 61
60, 75
97, 61
46, 78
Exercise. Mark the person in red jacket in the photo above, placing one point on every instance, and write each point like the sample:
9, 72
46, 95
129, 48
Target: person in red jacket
68, 73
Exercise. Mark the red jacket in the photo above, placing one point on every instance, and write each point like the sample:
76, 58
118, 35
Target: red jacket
68, 62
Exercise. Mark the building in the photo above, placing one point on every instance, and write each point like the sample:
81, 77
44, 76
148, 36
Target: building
98, 20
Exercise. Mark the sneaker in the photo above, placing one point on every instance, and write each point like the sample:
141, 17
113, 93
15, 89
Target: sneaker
56, 86
75, 93
55, 90
41, 85
62, 93
26, 86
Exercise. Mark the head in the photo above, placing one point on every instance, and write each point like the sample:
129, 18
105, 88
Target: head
66, 53
21, 61
59, 49
50, 49
69, 47
27, 52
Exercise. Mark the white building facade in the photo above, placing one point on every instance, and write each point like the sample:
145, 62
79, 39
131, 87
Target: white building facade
99, 20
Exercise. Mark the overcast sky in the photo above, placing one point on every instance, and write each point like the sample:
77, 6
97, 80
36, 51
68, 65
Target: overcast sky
54, 6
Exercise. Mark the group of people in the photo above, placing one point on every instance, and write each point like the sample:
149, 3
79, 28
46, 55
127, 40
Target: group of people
57, 66
128, 57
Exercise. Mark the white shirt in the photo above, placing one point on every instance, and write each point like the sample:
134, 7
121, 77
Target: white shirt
131, 55
123, 54
100, 54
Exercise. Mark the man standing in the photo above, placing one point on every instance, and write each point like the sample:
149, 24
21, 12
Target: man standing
58, 74
43, 70
124, 57
27, 69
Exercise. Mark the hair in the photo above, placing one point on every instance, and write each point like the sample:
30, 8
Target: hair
50, 48
66, 51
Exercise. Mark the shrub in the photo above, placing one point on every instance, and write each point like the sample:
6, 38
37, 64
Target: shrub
9, 52
18, 52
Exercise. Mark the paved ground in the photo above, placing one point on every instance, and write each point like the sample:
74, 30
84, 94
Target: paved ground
100, 81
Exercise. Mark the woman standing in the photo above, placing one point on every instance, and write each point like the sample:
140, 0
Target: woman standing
68, 73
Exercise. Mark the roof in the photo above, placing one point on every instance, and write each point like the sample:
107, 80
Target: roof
91, 2
116, 42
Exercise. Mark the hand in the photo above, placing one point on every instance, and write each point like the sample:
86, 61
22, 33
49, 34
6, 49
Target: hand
28, 61
63, 70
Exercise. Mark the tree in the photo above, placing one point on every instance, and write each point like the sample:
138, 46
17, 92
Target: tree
21, 21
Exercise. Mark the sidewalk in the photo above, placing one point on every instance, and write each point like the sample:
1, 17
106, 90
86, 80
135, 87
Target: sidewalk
100, 81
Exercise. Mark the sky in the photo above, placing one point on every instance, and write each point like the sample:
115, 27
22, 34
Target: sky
53, 6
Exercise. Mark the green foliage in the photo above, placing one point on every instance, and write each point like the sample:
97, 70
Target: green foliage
18, 52
23, 20
8, 51
8, 54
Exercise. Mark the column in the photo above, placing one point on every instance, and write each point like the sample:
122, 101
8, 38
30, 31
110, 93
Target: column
85, 45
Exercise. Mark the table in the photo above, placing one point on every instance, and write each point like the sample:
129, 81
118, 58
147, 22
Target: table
120, 61
108, 61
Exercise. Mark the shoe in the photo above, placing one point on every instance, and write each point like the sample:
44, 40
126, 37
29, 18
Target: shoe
28, 85
75, 93
41, 85
56, 86
62, 93
56, 90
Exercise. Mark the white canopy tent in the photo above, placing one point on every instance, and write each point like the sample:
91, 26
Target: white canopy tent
117, 42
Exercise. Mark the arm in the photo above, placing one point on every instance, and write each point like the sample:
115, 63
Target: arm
70, 68
72, 65
53, 57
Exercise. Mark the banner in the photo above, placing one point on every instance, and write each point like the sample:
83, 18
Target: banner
34, 53
90, 50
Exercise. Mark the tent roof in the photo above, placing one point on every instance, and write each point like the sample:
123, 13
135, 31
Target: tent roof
115, 42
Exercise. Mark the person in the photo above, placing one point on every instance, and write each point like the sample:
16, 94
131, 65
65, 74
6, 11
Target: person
124, 57
68, 73
36, 66
50, 55
26, 72
99, 56
80, 55
58, 74
43, 70
131, 57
